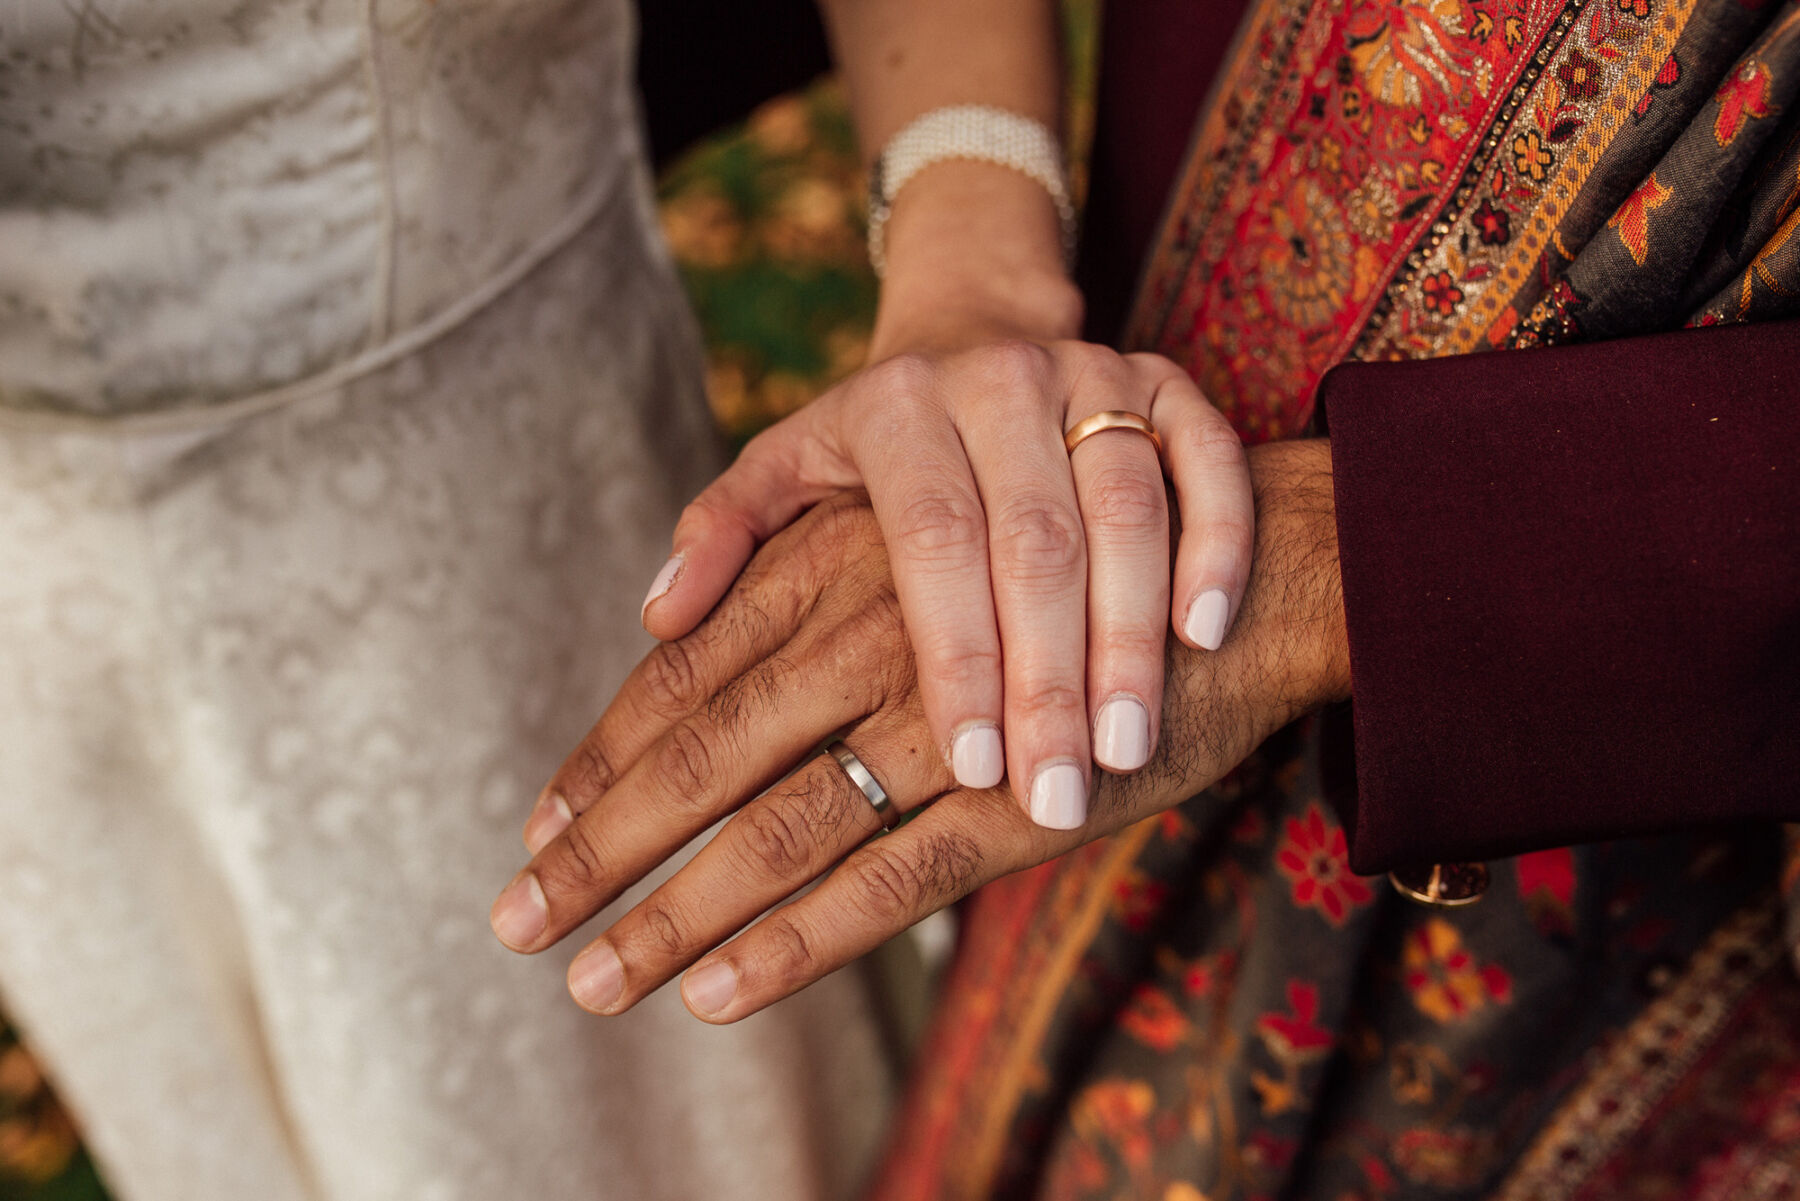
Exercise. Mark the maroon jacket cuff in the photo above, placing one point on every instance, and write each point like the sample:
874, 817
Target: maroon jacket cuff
1572, 586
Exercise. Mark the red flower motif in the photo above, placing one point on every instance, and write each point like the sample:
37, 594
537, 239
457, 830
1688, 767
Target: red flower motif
1668, 77
1136, 900
1633, 218
1580, 76
1153, 1019
1441, 293
1299, 1036
1637, 8
1492, 225
1316, 858
1744, 95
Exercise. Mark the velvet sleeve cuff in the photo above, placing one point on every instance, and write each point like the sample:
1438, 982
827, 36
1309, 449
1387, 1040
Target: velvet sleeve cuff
1572, 589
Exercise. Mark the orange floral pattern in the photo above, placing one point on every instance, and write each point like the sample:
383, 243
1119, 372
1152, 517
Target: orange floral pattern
1446, 983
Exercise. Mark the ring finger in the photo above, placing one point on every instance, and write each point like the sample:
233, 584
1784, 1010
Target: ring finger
770, 849
1119, 484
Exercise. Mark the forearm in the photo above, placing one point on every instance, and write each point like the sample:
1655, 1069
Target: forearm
974, 250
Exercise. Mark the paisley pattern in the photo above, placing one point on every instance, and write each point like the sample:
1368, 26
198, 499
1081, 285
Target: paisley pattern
346, 401
1413, 179
1210, 1007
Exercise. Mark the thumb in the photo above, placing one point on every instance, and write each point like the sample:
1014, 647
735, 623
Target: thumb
781, 472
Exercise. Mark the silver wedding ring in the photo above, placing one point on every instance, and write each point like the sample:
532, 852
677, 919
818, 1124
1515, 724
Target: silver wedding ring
860, 776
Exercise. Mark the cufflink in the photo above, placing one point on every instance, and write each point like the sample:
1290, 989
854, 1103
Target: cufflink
1441, 885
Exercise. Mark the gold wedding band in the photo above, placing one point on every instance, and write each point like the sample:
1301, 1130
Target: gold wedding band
1112, 419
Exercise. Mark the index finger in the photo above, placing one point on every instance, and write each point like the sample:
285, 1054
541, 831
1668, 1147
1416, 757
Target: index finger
676, 679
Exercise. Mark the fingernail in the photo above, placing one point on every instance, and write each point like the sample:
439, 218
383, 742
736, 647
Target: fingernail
976, 757
1122, 734
665, 579
520, 913
549, 817
1206, 619
1059, 797
709, 989
596, 978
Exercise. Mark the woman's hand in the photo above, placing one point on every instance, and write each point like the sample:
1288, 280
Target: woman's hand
809, 642
1034, 583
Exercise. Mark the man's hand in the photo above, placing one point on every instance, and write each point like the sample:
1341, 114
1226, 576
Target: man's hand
810, 642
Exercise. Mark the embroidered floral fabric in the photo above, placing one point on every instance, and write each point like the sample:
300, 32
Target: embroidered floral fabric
1211, 1006
1407, 180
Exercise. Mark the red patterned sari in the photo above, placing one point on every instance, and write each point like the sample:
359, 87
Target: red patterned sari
1211, 1006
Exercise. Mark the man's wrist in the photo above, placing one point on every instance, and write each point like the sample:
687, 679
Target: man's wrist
1300, 608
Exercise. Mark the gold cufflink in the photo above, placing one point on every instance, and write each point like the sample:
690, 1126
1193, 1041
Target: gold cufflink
1442, 885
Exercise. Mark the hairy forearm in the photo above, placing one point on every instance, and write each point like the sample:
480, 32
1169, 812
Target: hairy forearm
974, 250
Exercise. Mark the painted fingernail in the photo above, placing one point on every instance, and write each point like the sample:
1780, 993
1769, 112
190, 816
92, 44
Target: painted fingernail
709, 989
1059, 797
596, 978
549, 817
520, 913
976, 757
1122, 734
665, 579
1206, 619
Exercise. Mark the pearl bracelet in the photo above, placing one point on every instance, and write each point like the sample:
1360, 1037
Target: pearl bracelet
967, 131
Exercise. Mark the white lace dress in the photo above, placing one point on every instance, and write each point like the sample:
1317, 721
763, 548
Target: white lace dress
346, 402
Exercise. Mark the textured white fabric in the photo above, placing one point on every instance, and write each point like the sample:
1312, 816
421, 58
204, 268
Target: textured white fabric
277, 687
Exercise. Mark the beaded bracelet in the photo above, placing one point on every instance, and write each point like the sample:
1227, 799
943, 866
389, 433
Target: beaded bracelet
967, 131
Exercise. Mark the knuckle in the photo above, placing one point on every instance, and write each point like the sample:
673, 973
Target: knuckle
1135, 643
588, 772
580, 869
890, 886
833, 528
666, 930
874, 658
684, 762
671, 678
1051, 699
1216, 442
1015, 364
963, 665
1124, 496
937, 525
788, 951
777, 840
1041, 540
910, 376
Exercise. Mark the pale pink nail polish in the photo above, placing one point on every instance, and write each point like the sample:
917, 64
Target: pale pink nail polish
520, 913
976, 756
665, 580
1059, 797
1122, 734
710, 988
597, 978
549, 817
1205, 626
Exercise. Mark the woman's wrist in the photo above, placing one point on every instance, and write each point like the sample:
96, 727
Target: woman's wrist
974, 254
